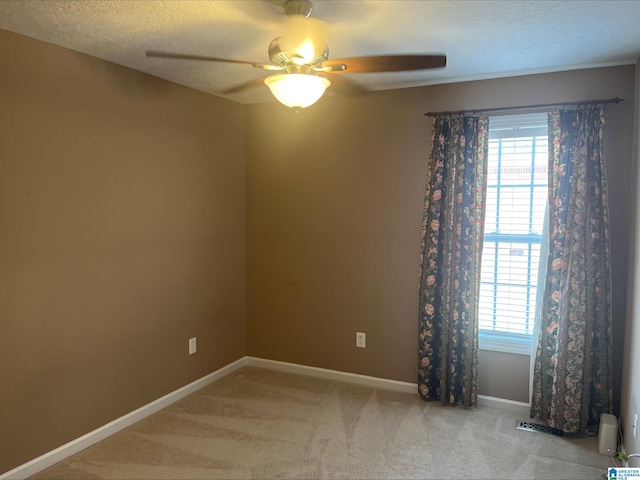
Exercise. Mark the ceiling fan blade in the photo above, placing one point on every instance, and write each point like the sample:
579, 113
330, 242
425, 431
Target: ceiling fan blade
387, 63
258, 82
187, 56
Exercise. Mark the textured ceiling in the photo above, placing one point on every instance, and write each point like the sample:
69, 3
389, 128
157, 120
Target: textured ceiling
482, 39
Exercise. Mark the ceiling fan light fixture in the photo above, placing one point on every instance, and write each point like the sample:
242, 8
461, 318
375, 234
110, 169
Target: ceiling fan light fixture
297, 90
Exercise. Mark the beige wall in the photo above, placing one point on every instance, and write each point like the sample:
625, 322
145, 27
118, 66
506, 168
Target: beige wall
122, 201
334, 198
631, 374
504, 375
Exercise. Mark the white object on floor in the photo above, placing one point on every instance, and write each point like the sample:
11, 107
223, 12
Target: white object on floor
607, 441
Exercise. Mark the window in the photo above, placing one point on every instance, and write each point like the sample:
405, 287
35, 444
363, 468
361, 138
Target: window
513, 231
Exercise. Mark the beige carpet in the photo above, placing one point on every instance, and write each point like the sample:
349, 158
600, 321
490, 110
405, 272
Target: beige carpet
258, 423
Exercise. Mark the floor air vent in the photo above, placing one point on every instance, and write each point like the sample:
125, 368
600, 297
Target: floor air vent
538, 427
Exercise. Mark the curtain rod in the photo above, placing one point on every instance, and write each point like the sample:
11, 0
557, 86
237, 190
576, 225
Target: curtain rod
525, 107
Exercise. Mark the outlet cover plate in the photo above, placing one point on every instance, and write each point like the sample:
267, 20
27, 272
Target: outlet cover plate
192, 346
361, 340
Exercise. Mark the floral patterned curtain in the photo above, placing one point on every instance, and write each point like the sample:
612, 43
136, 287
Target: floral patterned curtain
451, 248
572, 371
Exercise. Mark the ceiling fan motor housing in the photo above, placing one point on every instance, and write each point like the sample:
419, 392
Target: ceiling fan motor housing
286, 51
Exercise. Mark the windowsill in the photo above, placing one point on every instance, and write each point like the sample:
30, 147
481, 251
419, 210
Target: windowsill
505, 342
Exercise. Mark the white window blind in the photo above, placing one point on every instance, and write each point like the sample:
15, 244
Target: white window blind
516, 200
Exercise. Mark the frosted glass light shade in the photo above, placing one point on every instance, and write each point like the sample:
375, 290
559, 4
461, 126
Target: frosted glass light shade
297, 90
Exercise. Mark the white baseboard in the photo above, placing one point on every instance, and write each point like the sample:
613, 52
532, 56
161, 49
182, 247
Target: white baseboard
337, 375
54, 456
504, 404
46, 460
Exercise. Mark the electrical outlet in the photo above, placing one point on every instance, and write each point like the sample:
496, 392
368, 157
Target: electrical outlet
192, 346
635, 426
361, 340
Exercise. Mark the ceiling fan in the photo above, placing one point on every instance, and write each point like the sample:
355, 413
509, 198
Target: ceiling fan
301, 60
